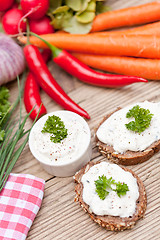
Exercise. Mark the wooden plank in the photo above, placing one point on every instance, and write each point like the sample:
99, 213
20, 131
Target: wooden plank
60, 217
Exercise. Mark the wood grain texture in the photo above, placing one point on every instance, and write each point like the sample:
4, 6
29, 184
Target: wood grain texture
60, 217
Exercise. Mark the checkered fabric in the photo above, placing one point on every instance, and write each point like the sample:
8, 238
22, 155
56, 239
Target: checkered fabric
20, 201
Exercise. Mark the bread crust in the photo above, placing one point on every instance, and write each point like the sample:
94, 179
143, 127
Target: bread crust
129, 157
111, 222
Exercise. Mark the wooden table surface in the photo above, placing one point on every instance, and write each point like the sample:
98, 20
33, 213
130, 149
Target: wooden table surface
62, 218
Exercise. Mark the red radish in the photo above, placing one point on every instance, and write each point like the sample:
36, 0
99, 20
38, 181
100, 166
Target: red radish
11, 20
5, 4
34, 9
41, 26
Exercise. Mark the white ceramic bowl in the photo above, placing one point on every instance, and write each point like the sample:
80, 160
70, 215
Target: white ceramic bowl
63, 166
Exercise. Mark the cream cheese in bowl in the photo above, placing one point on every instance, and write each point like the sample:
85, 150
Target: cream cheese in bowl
62, 158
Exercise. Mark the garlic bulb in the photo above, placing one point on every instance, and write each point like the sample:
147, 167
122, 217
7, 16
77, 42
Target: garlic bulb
12, 61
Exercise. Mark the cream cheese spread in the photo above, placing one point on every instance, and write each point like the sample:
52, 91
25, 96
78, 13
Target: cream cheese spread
113, 131
113, 205
69, 148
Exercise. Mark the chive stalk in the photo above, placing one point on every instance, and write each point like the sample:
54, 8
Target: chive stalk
9, 153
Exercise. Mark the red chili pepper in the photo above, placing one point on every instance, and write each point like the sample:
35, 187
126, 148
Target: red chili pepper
84, 73
46, 54
45, 79
80, 70
32, 97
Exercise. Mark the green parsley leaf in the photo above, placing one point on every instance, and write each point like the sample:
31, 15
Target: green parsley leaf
142, 119
55, 126
121, 189
103, 183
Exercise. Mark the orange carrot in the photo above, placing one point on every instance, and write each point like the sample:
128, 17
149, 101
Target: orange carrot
141, 67
148, 29
147, 46
137, 15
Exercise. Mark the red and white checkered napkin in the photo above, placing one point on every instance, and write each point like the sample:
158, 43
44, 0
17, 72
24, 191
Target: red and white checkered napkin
20, 201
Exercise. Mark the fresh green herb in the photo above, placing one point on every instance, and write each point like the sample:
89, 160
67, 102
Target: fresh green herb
9, 153
121, 189
4, 99
103, 184
75, 16
142, 119
55, 126
4, 108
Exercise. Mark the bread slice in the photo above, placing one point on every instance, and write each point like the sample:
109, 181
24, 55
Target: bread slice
129, 157
111, 222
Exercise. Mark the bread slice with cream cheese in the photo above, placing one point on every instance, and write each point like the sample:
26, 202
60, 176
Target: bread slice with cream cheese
128, 157
113, 223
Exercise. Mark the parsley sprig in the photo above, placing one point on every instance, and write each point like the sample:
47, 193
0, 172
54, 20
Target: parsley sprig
55, 126
103, 184
142, 119
121, 189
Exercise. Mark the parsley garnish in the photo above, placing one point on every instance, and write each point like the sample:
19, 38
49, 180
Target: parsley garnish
142, 119
55, 126
121, 189
103, 183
